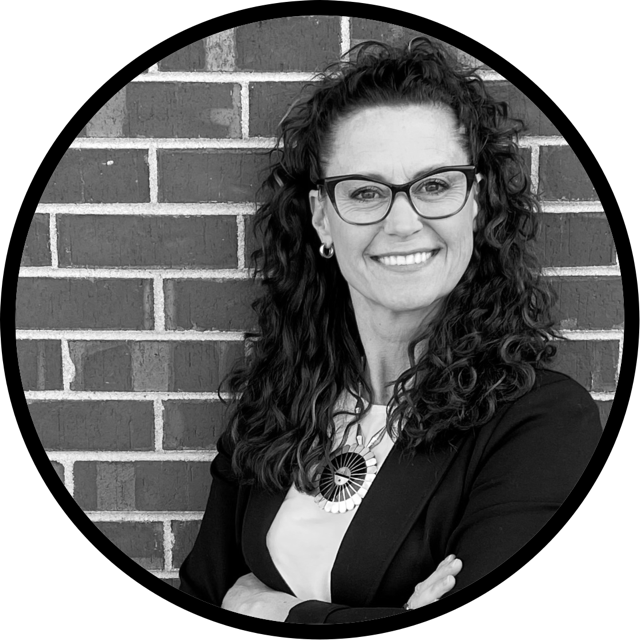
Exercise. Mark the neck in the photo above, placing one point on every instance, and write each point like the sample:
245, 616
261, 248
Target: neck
385, 336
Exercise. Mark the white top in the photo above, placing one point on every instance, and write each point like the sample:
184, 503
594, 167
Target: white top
303, 539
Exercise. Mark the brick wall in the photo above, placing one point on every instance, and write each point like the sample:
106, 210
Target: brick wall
134, 294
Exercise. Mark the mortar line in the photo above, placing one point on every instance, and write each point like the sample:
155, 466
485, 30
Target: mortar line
135, 274
244, 111
167, 541
125, 335
153, 173
603, 396
259, 143
241, 241
237, 77
605, 270
246, 208
68, 366
158, 304
345, 35
69, 457
153, 68
138, 396
535, 168
150, 209
53, 240
142, 516
245, 142
594, 335
242, 273
620, 351
158, 419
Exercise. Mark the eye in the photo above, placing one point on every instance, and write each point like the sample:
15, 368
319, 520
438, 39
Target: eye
432, 186
366, 193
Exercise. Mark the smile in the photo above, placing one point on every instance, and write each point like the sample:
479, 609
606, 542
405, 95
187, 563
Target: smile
412, 258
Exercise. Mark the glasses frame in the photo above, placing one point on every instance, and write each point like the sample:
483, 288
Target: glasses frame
329, 185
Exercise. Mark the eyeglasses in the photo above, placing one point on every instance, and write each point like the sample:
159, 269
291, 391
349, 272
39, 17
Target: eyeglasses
438, 194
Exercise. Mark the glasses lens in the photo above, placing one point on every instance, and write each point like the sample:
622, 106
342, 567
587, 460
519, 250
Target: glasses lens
361, 201
441, 194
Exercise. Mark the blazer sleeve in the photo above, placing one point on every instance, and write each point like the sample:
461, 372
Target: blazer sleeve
216, 561
531, 462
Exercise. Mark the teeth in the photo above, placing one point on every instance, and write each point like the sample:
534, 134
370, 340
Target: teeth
414, 258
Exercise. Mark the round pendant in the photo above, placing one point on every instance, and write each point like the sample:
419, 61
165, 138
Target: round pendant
345, 480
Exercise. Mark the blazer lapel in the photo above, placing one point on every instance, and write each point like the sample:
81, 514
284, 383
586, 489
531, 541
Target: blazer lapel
397, 496
261, 510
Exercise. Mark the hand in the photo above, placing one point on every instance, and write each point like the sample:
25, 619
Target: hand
251, 597
437, 584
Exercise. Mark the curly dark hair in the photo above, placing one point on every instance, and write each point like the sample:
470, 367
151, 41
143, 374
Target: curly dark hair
479, 350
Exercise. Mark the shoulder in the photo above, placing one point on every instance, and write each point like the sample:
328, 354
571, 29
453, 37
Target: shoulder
553, 391
555, 397
557, 413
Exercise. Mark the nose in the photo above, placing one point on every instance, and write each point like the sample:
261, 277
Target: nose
403, 219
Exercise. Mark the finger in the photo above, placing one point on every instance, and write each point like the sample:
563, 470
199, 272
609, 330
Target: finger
432, 593
453, 567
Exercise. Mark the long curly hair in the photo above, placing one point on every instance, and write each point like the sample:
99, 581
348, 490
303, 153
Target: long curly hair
479, 350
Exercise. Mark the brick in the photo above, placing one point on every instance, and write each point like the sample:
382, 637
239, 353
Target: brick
85, 490
184, 534
40, 364
101, 365
105, 365
36, 252
182, 110
148, 241
204, 305
142, 486
70, 303
193, 424
220, 51
575, 239
141, 541
210, 176
100, 175
59, 469
589, 303
300, 43
363, 29
189, 58
268, 103
93, 425
202, 366
111, 119
522, 107
604, 407
562, 176
592, 363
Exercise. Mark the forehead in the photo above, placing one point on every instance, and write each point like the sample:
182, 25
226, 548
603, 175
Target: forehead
395, 142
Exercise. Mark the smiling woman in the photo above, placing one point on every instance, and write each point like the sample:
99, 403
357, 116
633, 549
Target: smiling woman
382, 262
397, 436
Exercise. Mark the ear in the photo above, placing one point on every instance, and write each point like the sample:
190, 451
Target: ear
319, 218
479, 178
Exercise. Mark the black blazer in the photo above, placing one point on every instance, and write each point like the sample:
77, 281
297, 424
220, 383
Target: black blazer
482, 499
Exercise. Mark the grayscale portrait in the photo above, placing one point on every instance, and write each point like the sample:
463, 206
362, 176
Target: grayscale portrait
320, 319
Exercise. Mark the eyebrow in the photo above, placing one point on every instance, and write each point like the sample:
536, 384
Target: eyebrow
378, 176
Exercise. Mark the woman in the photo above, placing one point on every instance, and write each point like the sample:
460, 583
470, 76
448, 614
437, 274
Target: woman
397, 435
